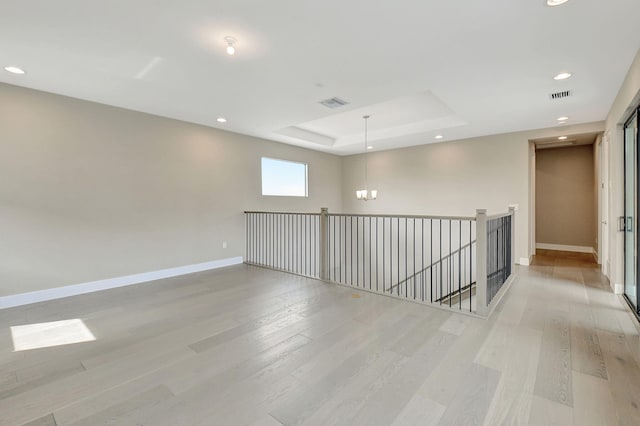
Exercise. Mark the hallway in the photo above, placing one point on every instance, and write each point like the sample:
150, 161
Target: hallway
245, 345
590, 352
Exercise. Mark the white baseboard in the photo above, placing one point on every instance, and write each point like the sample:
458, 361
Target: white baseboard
524, 261
562, 247
89, 287
618, 288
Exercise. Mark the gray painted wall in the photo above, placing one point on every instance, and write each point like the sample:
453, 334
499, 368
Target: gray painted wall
89, 192
566, 208
454, 178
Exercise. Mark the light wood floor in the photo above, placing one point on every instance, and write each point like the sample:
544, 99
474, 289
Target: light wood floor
245, 345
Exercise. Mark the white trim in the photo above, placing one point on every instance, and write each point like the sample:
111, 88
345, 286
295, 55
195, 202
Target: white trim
562, 247
618, 288
89, 287
525, 261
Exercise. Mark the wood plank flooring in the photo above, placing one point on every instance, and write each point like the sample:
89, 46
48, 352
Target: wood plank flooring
249, 346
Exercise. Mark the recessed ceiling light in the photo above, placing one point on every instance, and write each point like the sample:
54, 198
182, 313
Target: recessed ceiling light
562, 76
556, 2
230, 45
221, 120
369, 147
562, 138
14, 70
439, 136
563, 118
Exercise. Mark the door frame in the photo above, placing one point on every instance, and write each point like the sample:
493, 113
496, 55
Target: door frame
603, 203
635, 307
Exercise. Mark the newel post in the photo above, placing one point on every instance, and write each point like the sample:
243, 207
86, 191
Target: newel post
481, 262
324, 226
512, 212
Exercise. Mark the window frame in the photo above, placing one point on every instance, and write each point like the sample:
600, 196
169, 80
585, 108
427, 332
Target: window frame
306, 177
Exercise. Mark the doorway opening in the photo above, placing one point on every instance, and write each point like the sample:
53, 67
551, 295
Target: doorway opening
568, 187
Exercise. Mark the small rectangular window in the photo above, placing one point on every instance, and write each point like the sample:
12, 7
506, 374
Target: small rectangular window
284, 178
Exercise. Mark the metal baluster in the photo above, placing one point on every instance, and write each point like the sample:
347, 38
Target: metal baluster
398, 253
340, 248
406, 258
384, 257
470, 264
256, 238
351, 249
260, 231
312, 245
377, 267
422, 258
398, 265
450, 265
370, 269
431, 256
414, 259
269, 240
440, 262
460, 264
299, 238
357, 251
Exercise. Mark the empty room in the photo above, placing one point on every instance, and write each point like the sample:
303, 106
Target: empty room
287, 213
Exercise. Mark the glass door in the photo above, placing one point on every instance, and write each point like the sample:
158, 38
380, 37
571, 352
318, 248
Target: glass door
628, 222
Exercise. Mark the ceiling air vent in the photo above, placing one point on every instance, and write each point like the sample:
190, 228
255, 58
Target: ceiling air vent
334, 103
560, 95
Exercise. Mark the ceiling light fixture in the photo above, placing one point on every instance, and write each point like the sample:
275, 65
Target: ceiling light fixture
14, 70
561, 138
221, 120
365, 194
563, 118
562, 76
230, 45
439, 136
556, 2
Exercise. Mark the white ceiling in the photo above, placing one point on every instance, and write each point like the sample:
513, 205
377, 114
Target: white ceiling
420, 67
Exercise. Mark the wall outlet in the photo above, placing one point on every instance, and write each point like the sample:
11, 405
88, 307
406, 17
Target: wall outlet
224, 244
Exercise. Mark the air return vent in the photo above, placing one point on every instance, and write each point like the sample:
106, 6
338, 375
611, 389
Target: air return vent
560, 95
334, 103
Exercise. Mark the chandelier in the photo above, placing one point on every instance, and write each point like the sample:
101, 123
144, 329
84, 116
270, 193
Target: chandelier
365, 194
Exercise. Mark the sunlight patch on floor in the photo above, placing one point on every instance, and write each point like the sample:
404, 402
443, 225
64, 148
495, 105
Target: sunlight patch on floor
49, 334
